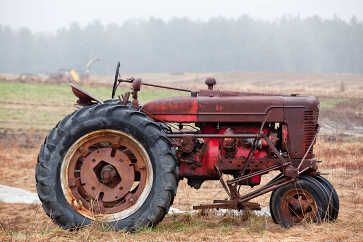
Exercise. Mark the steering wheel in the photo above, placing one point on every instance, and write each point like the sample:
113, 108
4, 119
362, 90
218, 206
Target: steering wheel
115, 84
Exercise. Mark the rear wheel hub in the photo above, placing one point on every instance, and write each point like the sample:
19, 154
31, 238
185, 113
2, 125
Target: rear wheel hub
105, 177
106, 174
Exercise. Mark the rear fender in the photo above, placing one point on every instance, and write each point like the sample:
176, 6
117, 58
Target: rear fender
84, 98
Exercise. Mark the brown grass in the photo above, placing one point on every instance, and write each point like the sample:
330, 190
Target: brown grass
343, 162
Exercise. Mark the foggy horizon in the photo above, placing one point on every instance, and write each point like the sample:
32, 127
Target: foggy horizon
183, 45
45, 16
163, 36
146, 19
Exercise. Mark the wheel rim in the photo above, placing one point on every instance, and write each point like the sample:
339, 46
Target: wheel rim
298, 205
106, 175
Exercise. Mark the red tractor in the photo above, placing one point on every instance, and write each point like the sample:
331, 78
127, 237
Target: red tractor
119, 162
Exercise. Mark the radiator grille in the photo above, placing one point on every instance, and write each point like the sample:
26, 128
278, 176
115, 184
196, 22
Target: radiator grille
310, 121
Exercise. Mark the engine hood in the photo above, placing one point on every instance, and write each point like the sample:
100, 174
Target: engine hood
226, 108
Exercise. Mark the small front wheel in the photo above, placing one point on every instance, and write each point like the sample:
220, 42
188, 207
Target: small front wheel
303, 201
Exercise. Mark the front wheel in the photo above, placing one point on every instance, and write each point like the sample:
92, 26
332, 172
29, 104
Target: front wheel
303, 201
106, 163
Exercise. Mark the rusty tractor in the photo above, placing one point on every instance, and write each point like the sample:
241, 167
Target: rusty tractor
118, 162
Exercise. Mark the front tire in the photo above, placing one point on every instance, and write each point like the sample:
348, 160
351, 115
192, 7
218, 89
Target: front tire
106, 163
303, 201
332, 197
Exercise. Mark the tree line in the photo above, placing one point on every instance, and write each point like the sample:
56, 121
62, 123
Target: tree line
289, 44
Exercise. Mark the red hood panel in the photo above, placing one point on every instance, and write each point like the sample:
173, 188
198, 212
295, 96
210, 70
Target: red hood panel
246, 108
175, 109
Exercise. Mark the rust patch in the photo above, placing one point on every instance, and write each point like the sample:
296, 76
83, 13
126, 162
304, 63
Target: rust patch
297, 205
106, 175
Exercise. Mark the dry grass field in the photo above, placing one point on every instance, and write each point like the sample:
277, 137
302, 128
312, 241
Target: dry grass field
29, 110
343, 162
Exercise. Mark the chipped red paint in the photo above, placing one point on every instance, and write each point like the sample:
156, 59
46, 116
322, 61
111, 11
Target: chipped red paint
228, 107
176, 109
212, 155
216, 109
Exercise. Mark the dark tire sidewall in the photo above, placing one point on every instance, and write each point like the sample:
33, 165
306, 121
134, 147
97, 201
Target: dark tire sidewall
333, 198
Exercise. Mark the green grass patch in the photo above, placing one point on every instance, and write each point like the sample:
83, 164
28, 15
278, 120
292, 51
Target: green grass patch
52, 93
40, 106
34, 93
331, 103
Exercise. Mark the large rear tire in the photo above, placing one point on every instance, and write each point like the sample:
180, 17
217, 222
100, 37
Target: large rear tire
106, 163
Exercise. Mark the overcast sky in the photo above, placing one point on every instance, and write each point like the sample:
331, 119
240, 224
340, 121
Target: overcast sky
48, 15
